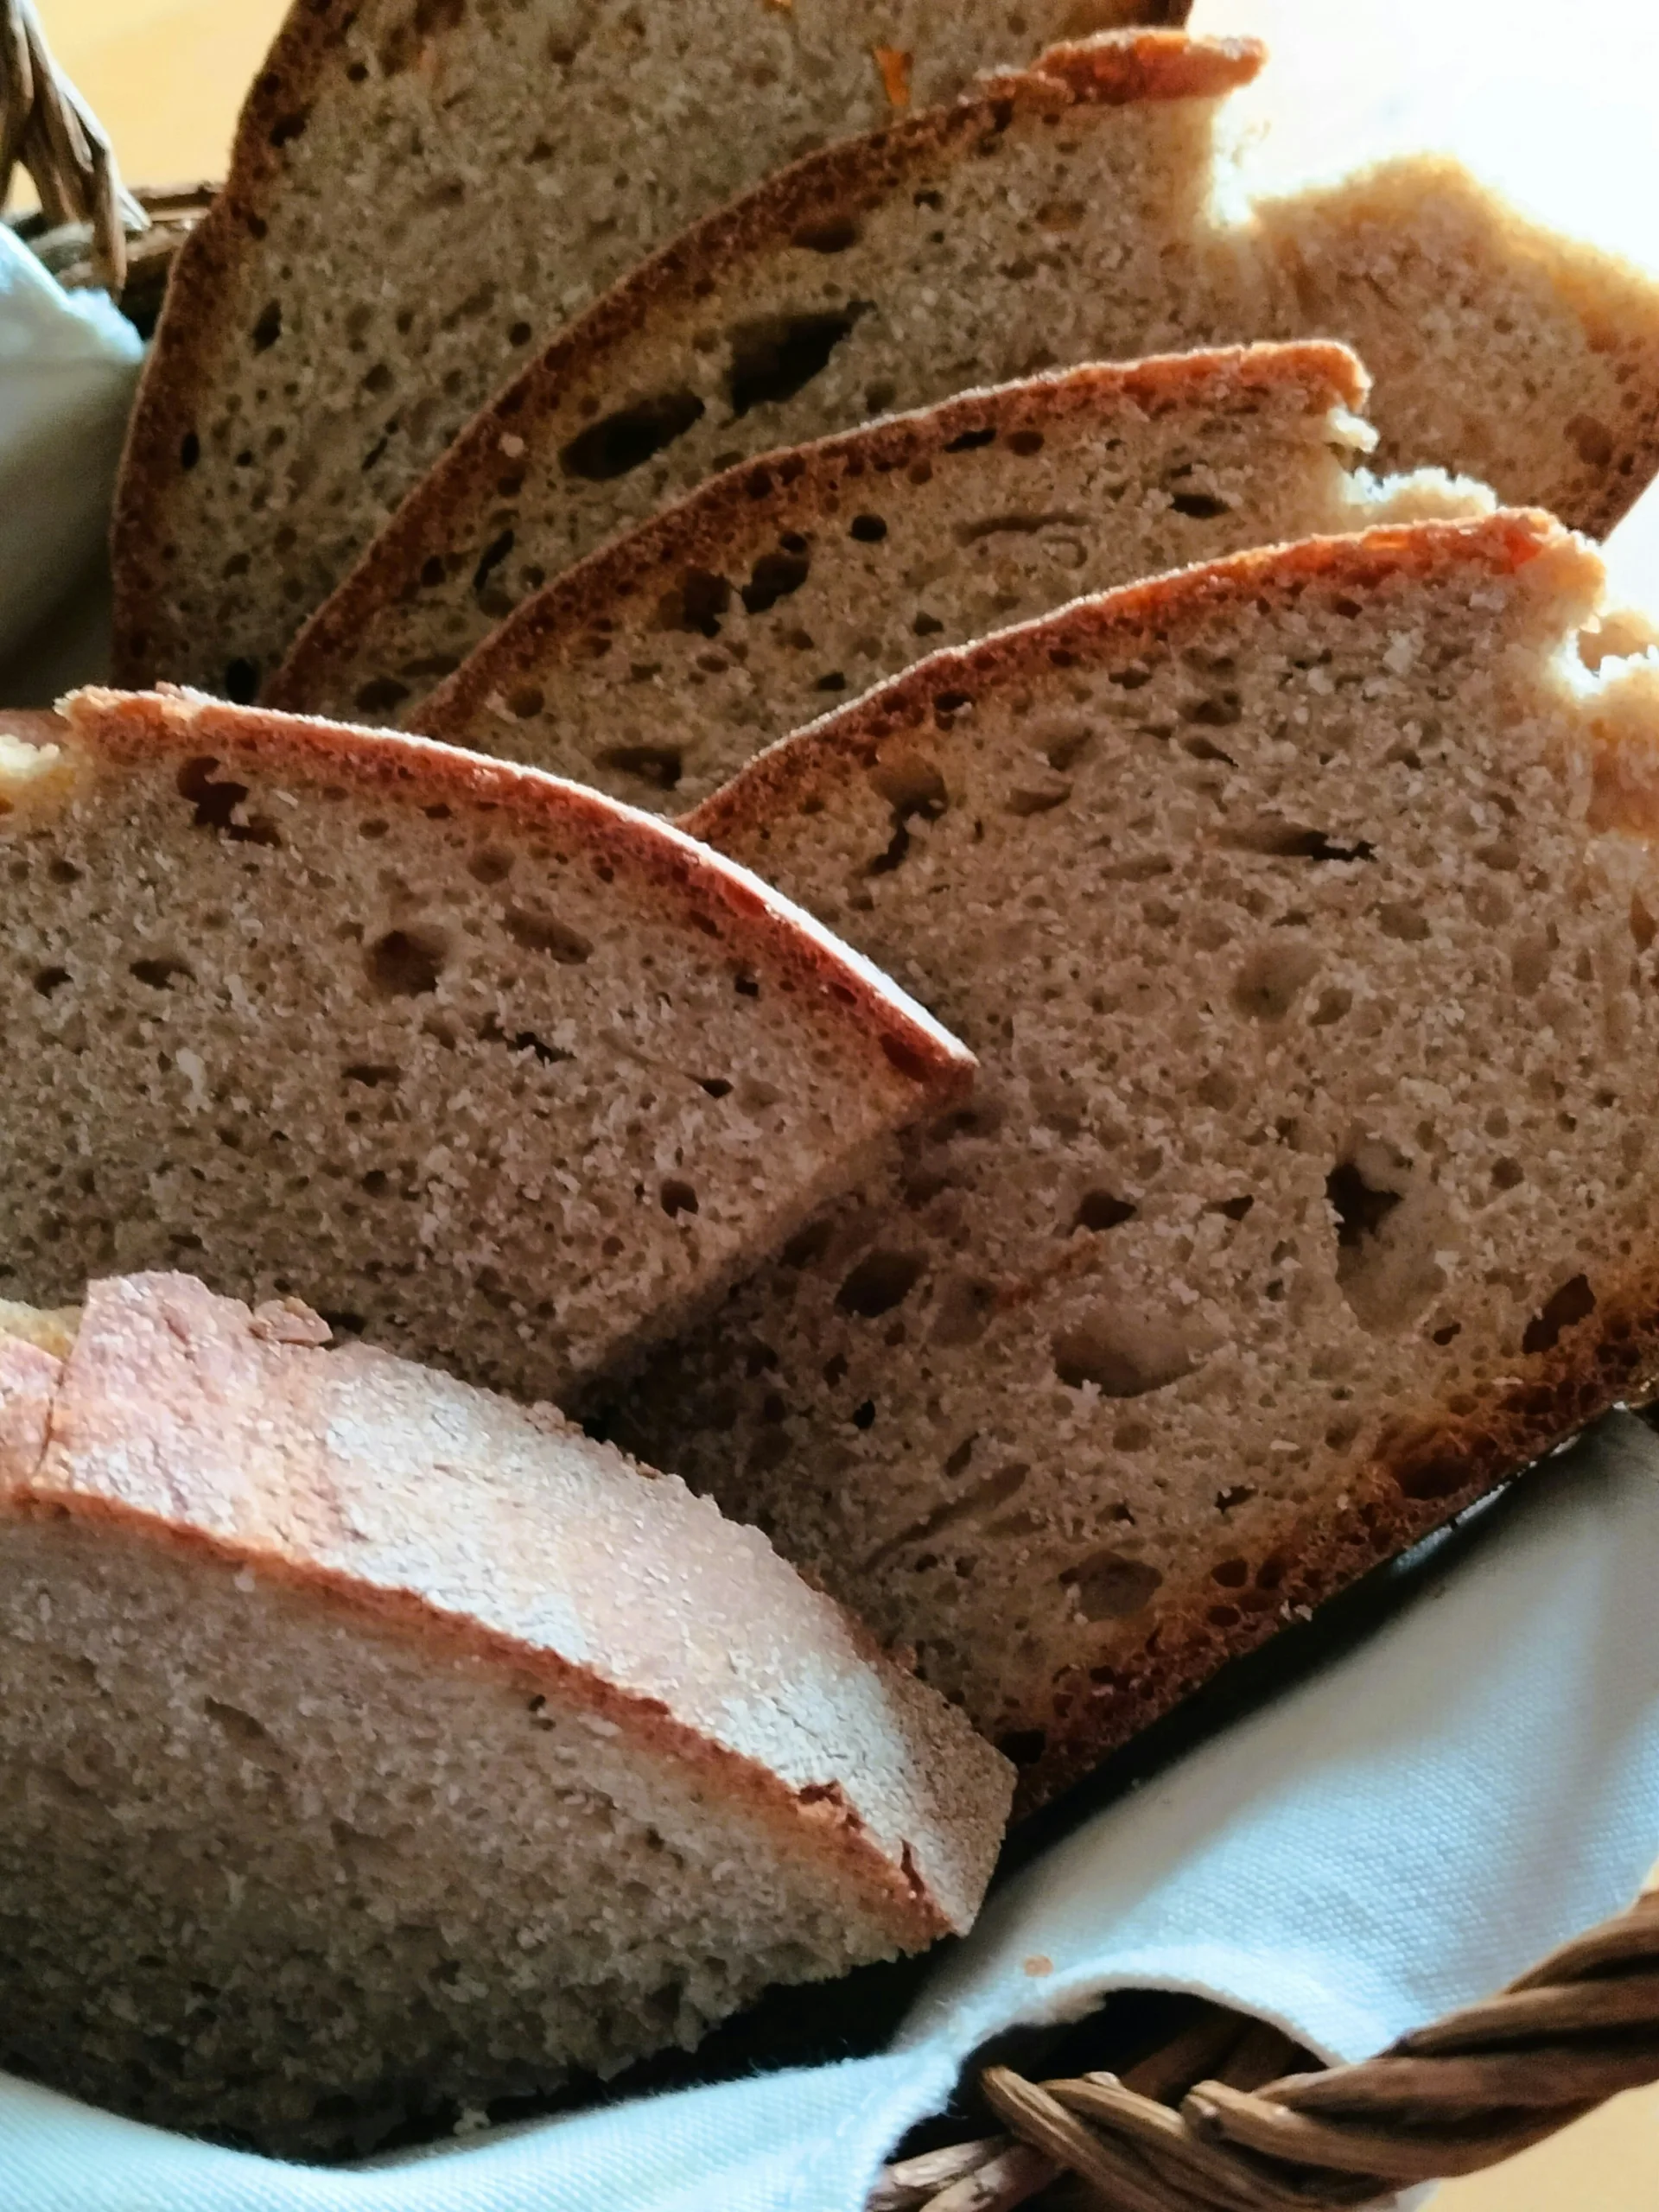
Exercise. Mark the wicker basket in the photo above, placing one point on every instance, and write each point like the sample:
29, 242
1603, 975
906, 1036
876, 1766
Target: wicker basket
1227, 2115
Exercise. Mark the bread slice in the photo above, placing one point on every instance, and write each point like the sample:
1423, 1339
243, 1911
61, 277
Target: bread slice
1073, 214
657, 666
418, 190
370, 1746
505, 1074
1309, 1185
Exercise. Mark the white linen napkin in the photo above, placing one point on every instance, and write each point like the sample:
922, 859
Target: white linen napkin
1471, 1784
68, 362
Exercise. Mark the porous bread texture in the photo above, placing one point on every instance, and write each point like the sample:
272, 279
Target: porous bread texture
1525, 359
371, 1747
501, 1073
1080, 211
660, 665
1309, 1184
421, 189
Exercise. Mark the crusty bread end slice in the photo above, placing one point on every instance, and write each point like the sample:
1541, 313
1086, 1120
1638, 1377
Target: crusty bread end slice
369, 1745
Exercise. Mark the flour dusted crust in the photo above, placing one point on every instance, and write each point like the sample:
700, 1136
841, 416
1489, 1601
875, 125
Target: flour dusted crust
657, 1677
1436, 1431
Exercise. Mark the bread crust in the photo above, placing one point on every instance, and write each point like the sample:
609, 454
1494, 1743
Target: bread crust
796, 487
776, 781
1435, 1462
130, 1432
191, 320
824, 187
882, 1029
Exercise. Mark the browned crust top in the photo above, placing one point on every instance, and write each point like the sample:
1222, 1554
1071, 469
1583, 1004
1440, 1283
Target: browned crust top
737, 508
1112, 71
191, 324
881, 1027
773, 785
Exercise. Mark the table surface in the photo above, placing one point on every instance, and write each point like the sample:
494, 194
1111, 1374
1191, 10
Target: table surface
166, 79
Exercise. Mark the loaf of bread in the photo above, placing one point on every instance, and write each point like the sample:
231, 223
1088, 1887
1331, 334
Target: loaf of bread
657, 666
1069, 214
420, 190
1293, 908
371, 1747
502, 1074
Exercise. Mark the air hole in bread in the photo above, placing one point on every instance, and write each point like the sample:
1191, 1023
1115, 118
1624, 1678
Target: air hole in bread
189, 450
774, 358
809, 1245
161, 975
834, 235
268, 327
1023, 1746
1102, 1210
406, 963
1391, 1222
1200, 507
868, 530
543, 932
774, 576
618, 443
696, 602
1121, 1355
1294, 841
1573, 1303
881, 1281
1109, 1586
659, 766
969, 441
678, 1197
1271, 980
241, 681
49, 980
379, 695
926, 625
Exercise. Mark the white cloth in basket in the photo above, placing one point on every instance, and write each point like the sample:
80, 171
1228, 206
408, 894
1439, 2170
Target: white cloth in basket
1474, 1782
68, 362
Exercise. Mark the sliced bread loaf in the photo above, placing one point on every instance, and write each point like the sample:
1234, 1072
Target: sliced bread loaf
1073, 214
371, 1747
1309, 1185
421, 188
504, 1073
657, 666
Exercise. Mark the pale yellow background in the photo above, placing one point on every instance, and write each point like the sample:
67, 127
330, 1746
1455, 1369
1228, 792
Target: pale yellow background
166, 81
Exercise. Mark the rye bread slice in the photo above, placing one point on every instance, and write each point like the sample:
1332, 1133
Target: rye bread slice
1304, 921
420, 191
501, 1073
370, 1746
1078, 212
661, 664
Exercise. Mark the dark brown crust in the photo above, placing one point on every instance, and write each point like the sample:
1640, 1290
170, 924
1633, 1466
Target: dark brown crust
191, 326
1113, 71
787, 489
880, 1026
1433, 1471
773, 784
1437, 1463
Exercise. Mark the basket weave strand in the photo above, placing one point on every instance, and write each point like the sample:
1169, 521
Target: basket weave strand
1463, 2094
47, 129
